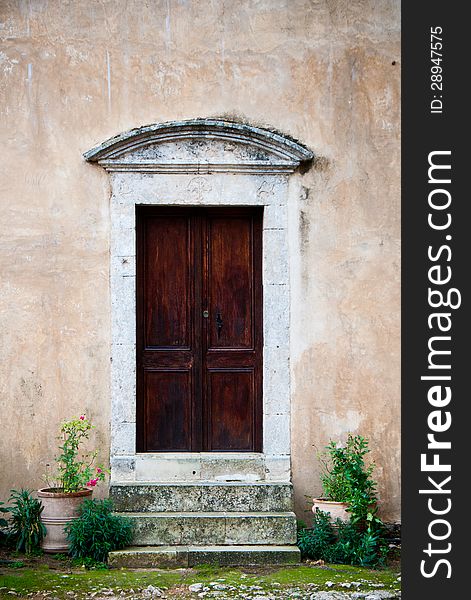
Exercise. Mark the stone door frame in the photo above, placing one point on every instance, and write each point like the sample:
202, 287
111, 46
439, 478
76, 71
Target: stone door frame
203, 162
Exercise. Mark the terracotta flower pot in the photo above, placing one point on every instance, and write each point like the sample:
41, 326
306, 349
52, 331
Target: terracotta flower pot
337, 510
59, 509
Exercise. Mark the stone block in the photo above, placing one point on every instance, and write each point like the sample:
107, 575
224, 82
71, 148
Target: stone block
275, 216
213, 528
278, 468
123, 236
276, 400
123, 438
123, 310
189, 556
123, 215
263, 528
275, 257
149, 558
123, 382
205, 497
276, 434
123, 468
161, 529
123, 266
232, 468
243, 555
168, 467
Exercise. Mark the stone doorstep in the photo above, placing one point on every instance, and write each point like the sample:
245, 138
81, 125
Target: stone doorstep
188, 556
198, 467
206, 497
213, 528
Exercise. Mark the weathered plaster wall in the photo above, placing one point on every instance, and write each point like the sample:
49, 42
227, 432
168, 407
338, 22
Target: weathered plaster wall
75, 73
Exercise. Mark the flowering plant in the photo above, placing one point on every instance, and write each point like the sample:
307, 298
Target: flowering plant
74, 469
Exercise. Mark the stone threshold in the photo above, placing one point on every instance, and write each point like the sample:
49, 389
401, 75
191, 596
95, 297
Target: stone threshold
200, 467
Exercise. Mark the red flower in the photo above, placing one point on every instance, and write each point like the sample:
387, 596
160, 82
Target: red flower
82, 417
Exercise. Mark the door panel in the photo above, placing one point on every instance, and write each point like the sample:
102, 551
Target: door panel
231, 410
230, 282
199, 329
168, 400
168, 280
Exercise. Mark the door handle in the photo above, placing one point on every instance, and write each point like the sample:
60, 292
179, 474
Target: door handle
205, 314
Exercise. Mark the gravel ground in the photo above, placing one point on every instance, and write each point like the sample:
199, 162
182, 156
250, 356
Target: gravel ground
220, 591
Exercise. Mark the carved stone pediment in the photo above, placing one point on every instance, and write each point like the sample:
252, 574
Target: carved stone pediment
200, 146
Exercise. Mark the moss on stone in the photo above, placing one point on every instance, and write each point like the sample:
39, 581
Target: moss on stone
61, 578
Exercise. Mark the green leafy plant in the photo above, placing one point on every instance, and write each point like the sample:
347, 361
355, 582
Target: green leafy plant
16, 564
316, 543
96, 531
344, 469
346, 478
357, 546
300, 524
3, 509
3, 524
75, 470
342, 543
25, 525
90, 564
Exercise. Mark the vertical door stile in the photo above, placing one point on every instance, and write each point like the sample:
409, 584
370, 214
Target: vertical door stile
257, 225
140, 293
198, 329
205, 408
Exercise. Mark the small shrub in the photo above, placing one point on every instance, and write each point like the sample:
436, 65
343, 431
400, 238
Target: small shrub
345, 477
25, 525
3, 525
344, 543
3, 522
300, 524
96, 531
316, 543
363, 547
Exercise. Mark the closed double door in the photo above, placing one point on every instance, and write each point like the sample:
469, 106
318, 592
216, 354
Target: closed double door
199, 330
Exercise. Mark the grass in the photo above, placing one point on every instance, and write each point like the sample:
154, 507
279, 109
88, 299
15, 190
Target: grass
60, 576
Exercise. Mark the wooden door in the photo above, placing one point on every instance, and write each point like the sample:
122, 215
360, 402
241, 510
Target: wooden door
199, 330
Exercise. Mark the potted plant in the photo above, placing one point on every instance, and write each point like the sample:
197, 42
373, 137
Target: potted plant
74, 480
348, 489
26, 527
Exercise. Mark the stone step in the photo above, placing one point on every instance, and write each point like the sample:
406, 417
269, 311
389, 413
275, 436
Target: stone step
187, 556
206, 497
213, 528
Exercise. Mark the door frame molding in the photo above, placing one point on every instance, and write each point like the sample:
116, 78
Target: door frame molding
204, 162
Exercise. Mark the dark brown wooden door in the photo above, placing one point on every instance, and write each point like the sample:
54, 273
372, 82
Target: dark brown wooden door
199, 329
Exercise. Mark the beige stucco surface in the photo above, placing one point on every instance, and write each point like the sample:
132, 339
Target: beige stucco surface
75, 73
